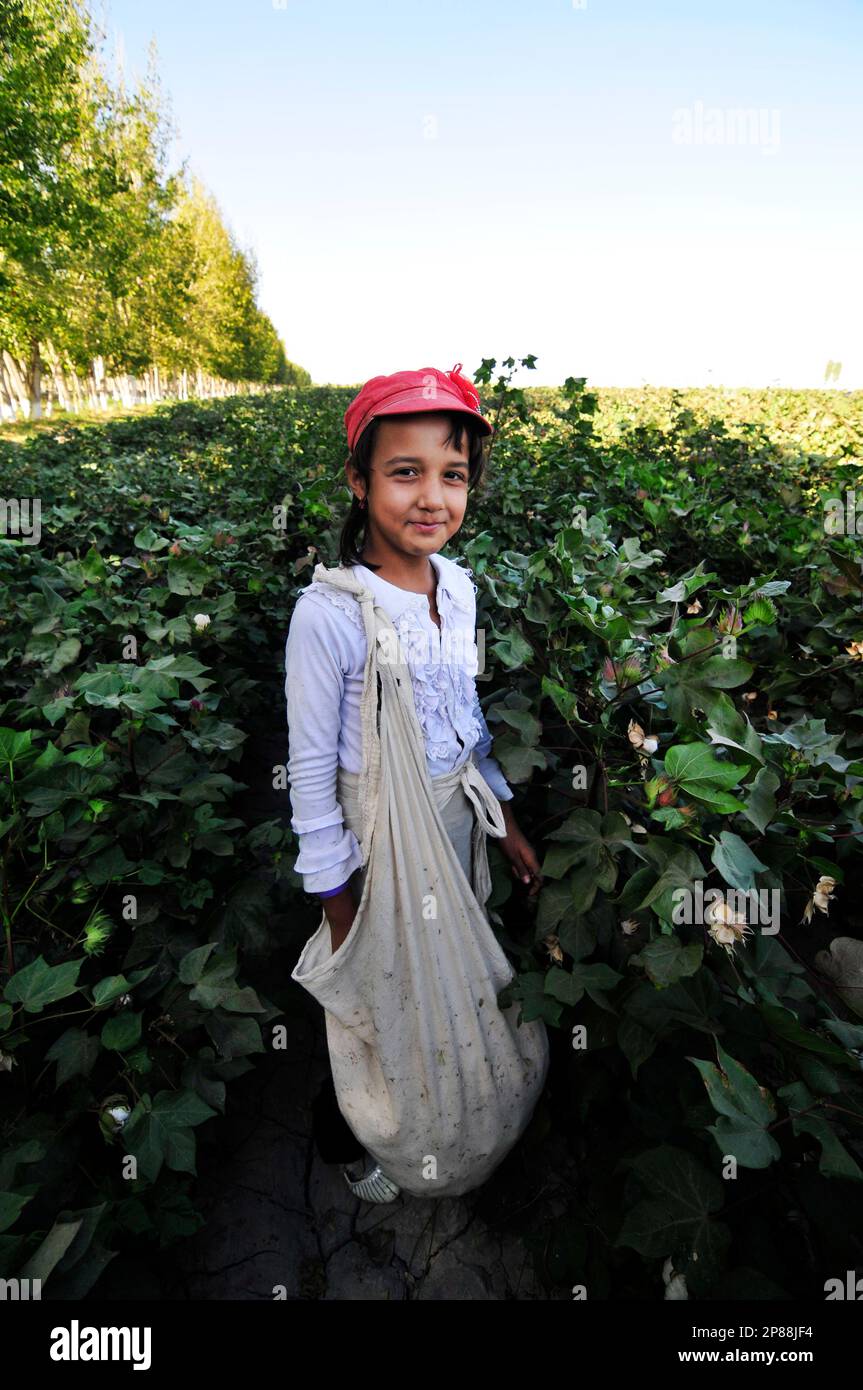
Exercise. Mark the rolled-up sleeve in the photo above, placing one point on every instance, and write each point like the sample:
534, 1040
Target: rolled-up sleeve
316, 652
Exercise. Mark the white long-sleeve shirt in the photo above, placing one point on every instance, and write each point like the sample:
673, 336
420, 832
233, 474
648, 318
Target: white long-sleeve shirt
325, 657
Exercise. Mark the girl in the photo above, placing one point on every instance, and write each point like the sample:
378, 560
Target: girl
416, 450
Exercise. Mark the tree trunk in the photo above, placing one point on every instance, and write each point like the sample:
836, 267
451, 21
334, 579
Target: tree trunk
60, 387
55, 367
76, 390
21, 384
101, 397
34, 381
8, 410
18, 386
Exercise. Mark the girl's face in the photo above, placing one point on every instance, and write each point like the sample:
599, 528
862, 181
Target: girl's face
416, 477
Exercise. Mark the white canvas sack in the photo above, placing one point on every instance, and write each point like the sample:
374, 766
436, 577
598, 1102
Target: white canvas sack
436, 1082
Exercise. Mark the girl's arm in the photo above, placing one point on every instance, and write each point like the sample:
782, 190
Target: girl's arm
340, 911
317, 653
520, 852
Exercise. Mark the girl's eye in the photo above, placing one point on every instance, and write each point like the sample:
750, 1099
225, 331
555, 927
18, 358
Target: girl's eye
451, 472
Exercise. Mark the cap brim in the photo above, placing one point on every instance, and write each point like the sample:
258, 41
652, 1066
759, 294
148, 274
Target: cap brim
414, 402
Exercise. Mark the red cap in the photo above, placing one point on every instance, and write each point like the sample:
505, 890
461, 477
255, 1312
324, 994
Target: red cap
405, 393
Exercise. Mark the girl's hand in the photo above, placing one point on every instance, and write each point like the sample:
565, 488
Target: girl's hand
520, 853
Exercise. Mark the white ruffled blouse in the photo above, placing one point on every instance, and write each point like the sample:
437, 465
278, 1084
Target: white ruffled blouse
325, 656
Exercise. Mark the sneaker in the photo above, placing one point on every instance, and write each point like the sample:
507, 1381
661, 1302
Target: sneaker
374, 1187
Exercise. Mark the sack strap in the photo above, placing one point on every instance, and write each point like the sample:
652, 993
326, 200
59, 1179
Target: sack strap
370, 777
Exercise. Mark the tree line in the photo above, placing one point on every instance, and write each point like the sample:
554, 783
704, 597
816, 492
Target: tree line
112, 269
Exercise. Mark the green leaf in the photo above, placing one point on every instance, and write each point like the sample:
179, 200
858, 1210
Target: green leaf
39, 984
75, 1053
214, 980
160, 1131
15, 746
106, 867
146, 539
753, 1099
687, 585
760, 808
667, 960
842, 964
718, 1087
525, 723
559, 859
584, 883
677, 1215
517, 760
749, 1143
59, 1245
99, 686
733, 1091
735, 861
725, 672
698, 771
570, 987
849, 1034
745, 1109
193, 963
682, 871
512, 650
11, 1206
187, 576
835, 1160
582, 827
636, 1042
93, 567
728, 727
554, 905
181, 666
786, 1026
564, 701
233, 1036
215, 842
66, 652
248, 913
686, 690
529, 990
122, 1031
577, 937
110, 988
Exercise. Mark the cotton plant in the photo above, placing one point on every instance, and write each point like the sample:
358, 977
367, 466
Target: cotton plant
821, 898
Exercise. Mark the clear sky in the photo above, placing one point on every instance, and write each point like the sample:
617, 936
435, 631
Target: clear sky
667, 193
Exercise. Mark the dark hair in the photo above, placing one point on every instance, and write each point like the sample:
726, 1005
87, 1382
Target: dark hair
355, 522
